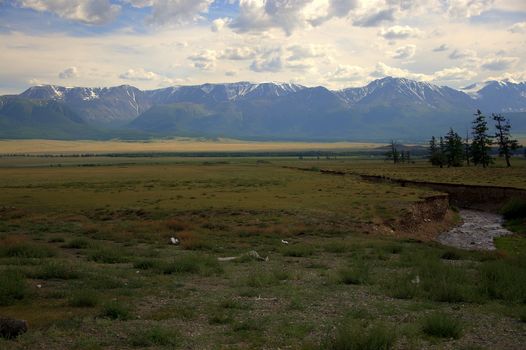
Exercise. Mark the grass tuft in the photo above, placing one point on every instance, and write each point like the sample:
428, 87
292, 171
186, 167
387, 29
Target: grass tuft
84, 298
13, 287
107, 256
115, 311
26, 250
55, 270
356, 336
154, 336
298, 250
442, 326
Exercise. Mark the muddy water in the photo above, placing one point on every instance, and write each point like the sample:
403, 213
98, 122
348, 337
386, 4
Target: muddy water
477, 231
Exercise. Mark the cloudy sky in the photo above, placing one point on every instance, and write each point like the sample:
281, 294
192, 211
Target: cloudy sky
335, 43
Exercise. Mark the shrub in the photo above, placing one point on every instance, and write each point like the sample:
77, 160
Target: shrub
402, 287
115, 311
146, 264
107, 256
451, 255
13, 287
354, 275
260, 278
77, 243
84, 298
504, 279
192, 264
155, 336
26, 250
337, 247
441, 282
514, 209
298, 250
354, 336
442, 326
55, 270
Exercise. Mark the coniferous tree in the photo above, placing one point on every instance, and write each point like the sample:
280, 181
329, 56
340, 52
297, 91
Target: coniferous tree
434, 152
480, 146
507, 145
467, 149
393, 154
454, 149
441, 152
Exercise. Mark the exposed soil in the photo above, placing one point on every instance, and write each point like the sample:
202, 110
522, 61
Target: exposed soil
477, 231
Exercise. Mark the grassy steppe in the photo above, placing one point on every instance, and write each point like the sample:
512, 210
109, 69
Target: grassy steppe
85, 258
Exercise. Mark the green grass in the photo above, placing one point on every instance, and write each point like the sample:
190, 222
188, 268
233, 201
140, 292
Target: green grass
442, 326
13, 287
84, 299
26, 250
56, 269
192, 264
298, 250
358, 336
77, 243
514, 209
115, 311
114, 276
107, 256
354, 275
154, 336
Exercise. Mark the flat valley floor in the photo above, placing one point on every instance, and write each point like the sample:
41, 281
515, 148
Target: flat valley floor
86, 257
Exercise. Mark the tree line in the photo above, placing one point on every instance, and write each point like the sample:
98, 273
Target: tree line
452, 150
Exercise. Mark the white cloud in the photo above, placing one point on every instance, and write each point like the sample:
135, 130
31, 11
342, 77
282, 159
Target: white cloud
347, 73
177, 12
400, 32
204, 60
139, 3
454, 73
441, 48
271, 61
230, 73
405, 52
499, 63
383, 70
512, 76
139, 75
375, 18
238, 53
96, 12
467, 8
462, 54
219, 23
518, 28
300, 52
68, 73
287, 15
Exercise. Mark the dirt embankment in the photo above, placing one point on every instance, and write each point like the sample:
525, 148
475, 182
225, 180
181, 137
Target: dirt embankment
425, 219
478, 197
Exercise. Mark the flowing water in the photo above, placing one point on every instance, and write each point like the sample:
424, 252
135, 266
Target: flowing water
476, 232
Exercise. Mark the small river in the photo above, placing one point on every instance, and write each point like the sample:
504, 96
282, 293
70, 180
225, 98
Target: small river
477, 231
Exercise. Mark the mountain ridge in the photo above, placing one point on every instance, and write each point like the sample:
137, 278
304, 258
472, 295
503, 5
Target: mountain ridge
387, 107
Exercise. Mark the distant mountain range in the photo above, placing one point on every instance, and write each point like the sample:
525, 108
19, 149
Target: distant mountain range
384, 109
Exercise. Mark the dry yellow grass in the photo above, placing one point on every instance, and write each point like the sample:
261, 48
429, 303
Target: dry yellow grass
175, 145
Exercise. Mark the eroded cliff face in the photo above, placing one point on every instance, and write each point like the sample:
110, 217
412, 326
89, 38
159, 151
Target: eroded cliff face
425, 219
478, 197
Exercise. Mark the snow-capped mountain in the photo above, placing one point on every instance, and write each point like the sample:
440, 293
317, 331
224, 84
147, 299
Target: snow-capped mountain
115, 105
502, 96
213, 93
401, 91
387, 107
